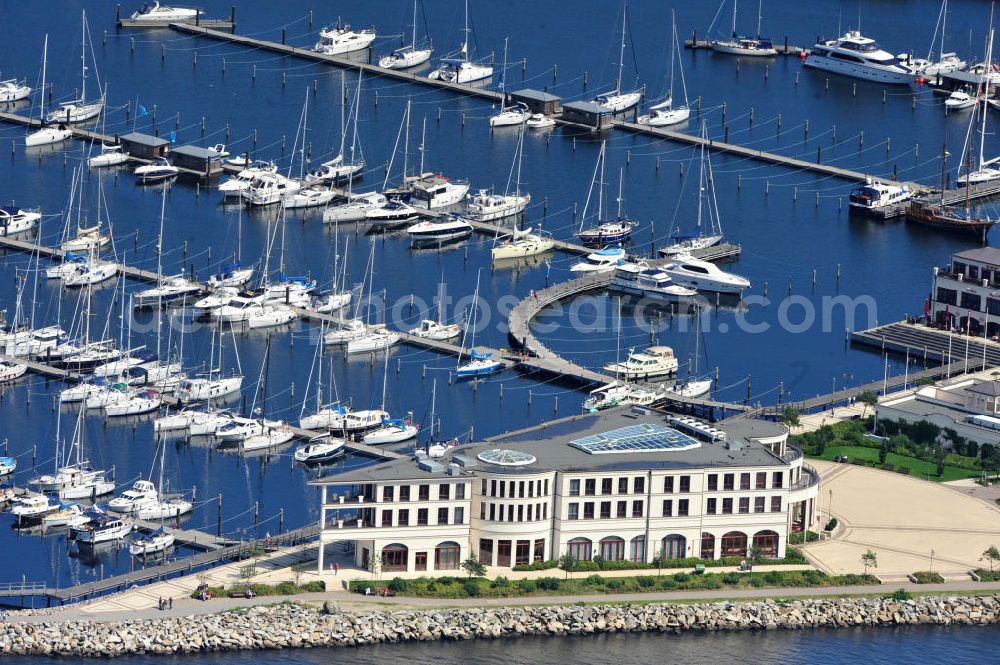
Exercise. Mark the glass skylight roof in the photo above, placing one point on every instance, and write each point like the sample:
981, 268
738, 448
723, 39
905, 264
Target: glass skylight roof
645, 438
503, 457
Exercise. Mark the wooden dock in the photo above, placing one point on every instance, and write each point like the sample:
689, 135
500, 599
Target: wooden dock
924, 344
191, 538
783, 48
214, 23
137, 274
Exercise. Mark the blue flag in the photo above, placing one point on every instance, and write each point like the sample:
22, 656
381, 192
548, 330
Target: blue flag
173, 136
142, 111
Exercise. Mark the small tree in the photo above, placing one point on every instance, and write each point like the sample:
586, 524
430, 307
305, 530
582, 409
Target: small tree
375, 565
660, 560
883, 452
869, 399
474, 567
991, 554
870, 560
247, 573
790, 417
939, 450
297, 570
567, 562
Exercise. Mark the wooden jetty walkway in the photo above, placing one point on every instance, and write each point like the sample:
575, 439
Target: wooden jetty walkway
924, 344
172, 568
137, 274
783, 48
214, 23
192, 538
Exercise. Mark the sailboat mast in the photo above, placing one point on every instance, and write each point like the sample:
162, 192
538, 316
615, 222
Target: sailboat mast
503, 73
343, 103
944, 23
465, 44
734, 18
423, 149
83, 57
600, 188
621, 180
986, 95
45, 62
760, 13
701, 184
621, 53
413, 41
673, 54
406, 143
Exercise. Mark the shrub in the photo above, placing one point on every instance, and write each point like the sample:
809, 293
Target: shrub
667, 583
537, 565
527, 586
888, 467
285, 588
645, 582
681, 577
446, 580
710, 582
614, 584
927, 577
986, 575
860, 461
398, 584
314, 587
594, 580
471, 587
548, 583
757, 582
900, 594
731, 578
905, 470
773, 577
500, 583
794, 555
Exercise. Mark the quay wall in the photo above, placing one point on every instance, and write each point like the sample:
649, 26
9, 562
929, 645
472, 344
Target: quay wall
295, 626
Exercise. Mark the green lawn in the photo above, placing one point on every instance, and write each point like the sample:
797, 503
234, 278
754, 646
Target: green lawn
918, 468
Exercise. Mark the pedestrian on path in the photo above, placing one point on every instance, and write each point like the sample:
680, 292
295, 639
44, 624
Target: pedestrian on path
336, 569
170, 603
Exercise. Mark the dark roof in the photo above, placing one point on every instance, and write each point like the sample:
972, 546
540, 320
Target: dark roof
536, 95
989, 255
586, 107
194, 151
987, 388
144, 139
549, 444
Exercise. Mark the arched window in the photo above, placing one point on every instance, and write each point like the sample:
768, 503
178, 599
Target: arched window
394, 558
734, 543
612, 548
707, 546
579, 549
637, 549
675, 547
767, 541
446, 556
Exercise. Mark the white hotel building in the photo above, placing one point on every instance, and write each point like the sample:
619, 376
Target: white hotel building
621, 484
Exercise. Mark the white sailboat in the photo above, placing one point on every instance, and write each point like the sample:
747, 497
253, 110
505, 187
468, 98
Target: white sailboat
463, 69
390, 430
78, 480
947, 62
214, 384
745, 46
665, 113
487, 206
604, 232
618, 100
13, 90
79, 110
685, 243
479, 364
515, 114
47, 134
986, 170
164, 507
411, 54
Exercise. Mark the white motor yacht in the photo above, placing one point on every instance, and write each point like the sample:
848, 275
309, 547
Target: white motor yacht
319, 450
241, 428
375, 340
435, 191
269, 189
154, 12
11, 370
158, 171
340, 39
356, 208
103, 530
238, 308
437, 330
539, 121
328, 417
350, 329
309, 197
13, 90
643, 281
14, 220
875, 194
31, 343
335, 170
859, 57
605, 397
440, 230
359, 421
704, 276
520, 244
603, 260
235, 185
211, 304
32, 508
142, 494
649, 363
959, 100
391, 214
111, 155
488, 207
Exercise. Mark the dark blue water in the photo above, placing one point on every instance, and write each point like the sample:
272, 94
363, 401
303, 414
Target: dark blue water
932, 645
785, 234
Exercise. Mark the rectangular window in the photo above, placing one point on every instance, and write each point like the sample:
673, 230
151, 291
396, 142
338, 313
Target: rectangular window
744, 505
520, 489
993, 306
460, 491
404, 492
668, 507
531, 512
776, 480
503, 489
404, 517
444, 492
574, 511
545, 510
710, 506
606, 485
424, 493
605, 510
500, 512
540, 549
493, 512
758, 504
574, 487
947, 296
713, 482
442, 516
522, 555
482, 511
637, 509
744, 481
493, 488
482, 488
682, 508
685, 483
775, 504
729, 482
531, 490
546, 485
761, 480
420, 561
668, 485
486, 551
386, 518
588, 510
623, 485
503, 553
510, 512
622, 509
590, 487
422, 516
520, 513
639, 485
459, 515
970, 301
387, 493
727, 506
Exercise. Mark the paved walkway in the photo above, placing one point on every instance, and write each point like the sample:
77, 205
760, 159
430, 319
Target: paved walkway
352, 601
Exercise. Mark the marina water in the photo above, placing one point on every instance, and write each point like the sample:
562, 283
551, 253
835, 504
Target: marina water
786, 233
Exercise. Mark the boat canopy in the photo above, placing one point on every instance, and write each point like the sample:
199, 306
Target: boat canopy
480, 356
294, 279
395, 422
453, 62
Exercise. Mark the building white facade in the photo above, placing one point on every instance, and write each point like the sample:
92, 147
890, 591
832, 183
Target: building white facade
622, 485
966, 294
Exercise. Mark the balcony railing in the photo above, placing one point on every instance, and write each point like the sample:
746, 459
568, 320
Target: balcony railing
792, 453
810, 477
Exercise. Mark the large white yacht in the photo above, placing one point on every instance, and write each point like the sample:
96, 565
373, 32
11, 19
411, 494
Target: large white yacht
860, 57
704, 276
339, 39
